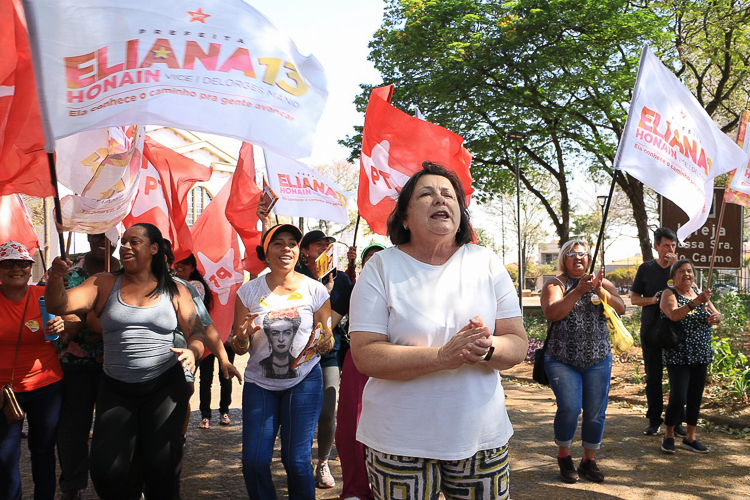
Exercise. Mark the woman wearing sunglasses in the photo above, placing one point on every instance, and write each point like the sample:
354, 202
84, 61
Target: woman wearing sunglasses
578, 357
31, 363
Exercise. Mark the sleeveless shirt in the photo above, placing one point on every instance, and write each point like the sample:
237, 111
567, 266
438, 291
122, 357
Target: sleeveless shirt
137, 339
581, 338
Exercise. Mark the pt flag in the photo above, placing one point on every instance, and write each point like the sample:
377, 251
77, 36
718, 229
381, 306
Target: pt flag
738, 182
102, 167
671, 144
166, 179
15, 222
217, 251
243, 205
394, 145
215, 66
24, 162
305, 192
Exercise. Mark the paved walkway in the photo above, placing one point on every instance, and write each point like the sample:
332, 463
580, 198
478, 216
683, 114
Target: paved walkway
634, 466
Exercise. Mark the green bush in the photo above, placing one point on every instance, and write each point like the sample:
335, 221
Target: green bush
729, 368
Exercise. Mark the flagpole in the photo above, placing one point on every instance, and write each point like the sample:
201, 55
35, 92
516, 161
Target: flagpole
716, 242
604, 221
352, 269
58, 208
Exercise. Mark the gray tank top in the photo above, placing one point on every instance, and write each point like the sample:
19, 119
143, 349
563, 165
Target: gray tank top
137, 339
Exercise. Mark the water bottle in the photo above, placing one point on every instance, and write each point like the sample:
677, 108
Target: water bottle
46, 318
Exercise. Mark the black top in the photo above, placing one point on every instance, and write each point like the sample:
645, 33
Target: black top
650, 279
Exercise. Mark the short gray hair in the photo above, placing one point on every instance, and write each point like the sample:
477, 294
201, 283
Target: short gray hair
567, 247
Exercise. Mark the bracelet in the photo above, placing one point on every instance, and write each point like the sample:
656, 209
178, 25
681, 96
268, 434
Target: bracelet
241, 345
691, 304
488, 356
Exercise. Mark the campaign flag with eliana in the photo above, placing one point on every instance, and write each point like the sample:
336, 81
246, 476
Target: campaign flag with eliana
394, 145
671, 144
738, 182
217, 251
24, 162
305, 192
102, 168
217, 66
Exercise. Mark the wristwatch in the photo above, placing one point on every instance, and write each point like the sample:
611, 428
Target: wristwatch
488, 356
691, 304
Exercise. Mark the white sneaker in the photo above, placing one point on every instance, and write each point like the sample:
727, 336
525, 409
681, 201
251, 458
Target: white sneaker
323, 476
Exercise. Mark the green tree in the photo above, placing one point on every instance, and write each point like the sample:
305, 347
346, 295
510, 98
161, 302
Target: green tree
561, 71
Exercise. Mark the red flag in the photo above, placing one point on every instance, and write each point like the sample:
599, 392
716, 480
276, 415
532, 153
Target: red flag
22, 157
15, 223
166, 179
242, 205
394, 145
217, 251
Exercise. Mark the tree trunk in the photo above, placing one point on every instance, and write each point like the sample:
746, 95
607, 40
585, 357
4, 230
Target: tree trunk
633, 188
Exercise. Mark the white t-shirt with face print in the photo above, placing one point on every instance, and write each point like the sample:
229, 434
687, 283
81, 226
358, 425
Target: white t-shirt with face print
279, 352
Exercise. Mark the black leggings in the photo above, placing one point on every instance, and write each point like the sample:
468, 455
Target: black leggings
139, 425
686, 383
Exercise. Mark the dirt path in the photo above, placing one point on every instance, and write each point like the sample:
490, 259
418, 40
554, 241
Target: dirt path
633, 463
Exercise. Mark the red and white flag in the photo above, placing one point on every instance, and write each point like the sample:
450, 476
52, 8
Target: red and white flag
738, 182
394, 145
671, 144
216, 66
305, 192
102, 167
217, 251
166, 179
15, 222
24, 162
242, 205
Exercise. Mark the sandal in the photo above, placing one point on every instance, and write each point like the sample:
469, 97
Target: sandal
205, 424
225, 419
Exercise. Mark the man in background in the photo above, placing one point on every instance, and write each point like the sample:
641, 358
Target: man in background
651, 278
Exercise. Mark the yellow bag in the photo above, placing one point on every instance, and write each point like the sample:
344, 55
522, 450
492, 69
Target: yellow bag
621, 338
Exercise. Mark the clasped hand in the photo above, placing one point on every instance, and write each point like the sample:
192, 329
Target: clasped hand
469, 346
590, 282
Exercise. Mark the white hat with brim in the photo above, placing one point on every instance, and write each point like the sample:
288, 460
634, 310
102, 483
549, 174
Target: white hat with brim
13, 250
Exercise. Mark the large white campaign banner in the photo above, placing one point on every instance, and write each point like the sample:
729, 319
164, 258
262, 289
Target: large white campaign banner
672, 145
305, 192
215, 66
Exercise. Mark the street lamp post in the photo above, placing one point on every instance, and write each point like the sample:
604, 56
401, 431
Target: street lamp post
602, 199
517, 137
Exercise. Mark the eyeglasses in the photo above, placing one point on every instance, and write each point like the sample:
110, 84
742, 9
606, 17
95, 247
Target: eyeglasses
22, 264
576, 254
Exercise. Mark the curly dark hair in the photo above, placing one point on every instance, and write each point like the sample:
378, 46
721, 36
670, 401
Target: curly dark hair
396, 231
164, 281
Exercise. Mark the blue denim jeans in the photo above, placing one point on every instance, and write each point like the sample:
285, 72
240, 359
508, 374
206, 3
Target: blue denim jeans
295, 411
42, 407
579, 389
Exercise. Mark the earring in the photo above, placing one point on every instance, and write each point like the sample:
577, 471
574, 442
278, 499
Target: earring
406, 228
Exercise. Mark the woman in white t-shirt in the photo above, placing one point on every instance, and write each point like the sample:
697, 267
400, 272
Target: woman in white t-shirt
284, 387
432, 322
